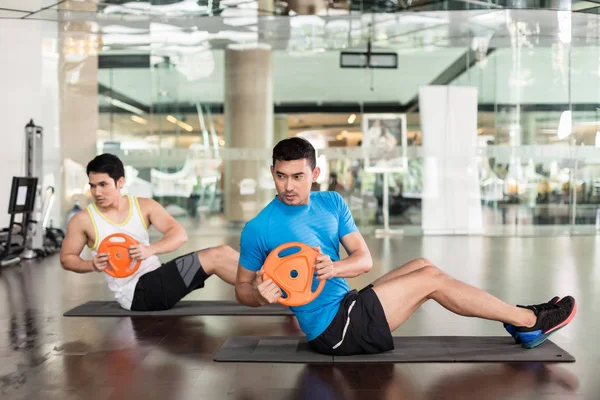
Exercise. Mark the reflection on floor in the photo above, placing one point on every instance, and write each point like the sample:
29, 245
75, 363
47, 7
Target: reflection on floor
45, 356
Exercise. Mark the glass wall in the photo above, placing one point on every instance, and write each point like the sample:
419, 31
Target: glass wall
537, 133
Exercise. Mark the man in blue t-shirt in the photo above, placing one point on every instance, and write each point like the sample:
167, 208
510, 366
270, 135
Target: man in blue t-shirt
344, 322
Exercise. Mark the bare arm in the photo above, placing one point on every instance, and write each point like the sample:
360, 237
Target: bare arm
252, 291
245, 290
173, 233
72, 245
359, 259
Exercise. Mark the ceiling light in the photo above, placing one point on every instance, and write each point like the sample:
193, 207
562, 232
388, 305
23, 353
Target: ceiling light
139, 120
179, 123
125, 106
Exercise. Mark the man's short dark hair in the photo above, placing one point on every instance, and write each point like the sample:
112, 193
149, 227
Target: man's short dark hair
107, 164
295, 148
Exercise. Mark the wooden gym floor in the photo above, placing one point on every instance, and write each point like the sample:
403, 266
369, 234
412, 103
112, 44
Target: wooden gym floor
44, 355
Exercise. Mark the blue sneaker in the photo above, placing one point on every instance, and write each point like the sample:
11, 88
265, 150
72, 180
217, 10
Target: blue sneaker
513, 329
513, 332
550, 318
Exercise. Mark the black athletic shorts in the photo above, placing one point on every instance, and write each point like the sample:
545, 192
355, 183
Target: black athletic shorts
359, 327
162, 288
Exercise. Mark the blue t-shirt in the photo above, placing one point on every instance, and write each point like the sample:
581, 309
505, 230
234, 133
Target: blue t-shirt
323, 222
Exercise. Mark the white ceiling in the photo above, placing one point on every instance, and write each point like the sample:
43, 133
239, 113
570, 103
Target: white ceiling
296, 79
545, 76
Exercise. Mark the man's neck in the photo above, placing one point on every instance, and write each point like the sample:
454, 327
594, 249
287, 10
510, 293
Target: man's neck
120, 205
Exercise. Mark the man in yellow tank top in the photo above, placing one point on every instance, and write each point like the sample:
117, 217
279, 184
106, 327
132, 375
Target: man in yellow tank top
154, 286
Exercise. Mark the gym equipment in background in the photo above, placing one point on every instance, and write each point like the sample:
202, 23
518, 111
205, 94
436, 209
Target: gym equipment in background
37, 237
22, 199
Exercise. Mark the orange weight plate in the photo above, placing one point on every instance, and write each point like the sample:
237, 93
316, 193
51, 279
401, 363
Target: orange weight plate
293, 273
117, 247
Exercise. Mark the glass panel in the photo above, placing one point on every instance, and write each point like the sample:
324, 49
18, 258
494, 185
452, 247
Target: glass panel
585, 93
523, 188
537, 89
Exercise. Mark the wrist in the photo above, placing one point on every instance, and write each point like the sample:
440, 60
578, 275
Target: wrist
151, 250
92, 267
258, 297
336, 265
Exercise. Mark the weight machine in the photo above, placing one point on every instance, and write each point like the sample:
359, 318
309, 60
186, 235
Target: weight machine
34, 230
38, 239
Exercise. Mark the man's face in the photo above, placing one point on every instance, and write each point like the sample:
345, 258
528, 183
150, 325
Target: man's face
104, 189
293, 180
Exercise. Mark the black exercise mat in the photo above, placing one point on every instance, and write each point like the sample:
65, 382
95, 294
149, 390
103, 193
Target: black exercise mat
408, 349
271, 349
182, 309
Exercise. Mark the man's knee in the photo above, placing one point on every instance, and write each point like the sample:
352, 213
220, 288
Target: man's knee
216, 257
424, 262
434, 277
226, 253
221, 249
432, 272
215, 252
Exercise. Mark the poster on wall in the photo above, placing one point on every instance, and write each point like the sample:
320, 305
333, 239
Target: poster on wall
384, 142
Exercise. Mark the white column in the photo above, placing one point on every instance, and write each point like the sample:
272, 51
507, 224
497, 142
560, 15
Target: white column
451, 192
248, 125
281, 128
78, 76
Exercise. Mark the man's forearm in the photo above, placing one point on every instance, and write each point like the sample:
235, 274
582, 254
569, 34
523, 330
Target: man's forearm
77, 264
246, 293
356, 264
171, 241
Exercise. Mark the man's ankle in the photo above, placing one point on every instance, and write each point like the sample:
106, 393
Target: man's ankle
529, 319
